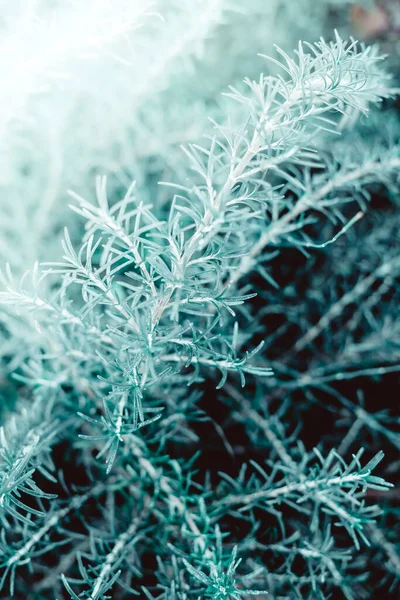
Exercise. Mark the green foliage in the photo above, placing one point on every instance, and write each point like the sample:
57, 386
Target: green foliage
164, 304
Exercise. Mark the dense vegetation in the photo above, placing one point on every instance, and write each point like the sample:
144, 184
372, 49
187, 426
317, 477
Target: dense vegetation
199, 390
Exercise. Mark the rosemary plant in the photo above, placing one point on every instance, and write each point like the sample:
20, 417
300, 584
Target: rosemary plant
182, 334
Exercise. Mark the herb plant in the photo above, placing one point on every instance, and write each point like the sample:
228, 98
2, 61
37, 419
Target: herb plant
161, 428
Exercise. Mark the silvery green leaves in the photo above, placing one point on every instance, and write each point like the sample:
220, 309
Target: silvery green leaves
223, 583
25, 457
158, 294
336, 488
159, 298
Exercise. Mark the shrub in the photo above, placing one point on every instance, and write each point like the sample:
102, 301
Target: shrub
217, 326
